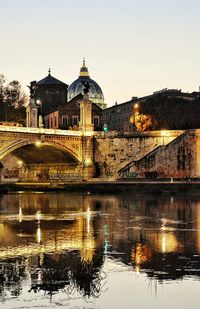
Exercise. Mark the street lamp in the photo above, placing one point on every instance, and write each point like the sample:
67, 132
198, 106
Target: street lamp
136, 111
39, 103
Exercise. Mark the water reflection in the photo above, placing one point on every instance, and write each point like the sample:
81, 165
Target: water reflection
60, 242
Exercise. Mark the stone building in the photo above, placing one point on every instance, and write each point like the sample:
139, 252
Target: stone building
157, 105
49, 98
117, 117
68, 116
49, 93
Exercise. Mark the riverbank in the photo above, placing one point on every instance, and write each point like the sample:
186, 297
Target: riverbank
102, 187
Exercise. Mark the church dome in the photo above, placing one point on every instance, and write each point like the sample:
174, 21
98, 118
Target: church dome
95, 92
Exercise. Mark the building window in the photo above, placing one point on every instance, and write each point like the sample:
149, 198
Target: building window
96, 121
51, 123
75, 120
53, 97
55, 122
65, 121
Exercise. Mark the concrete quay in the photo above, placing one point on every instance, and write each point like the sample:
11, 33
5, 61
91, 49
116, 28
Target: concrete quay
110, 187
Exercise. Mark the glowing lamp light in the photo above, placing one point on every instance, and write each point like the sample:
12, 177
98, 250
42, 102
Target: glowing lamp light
38, 143
105, 127
20, 163
88, 162
136, 108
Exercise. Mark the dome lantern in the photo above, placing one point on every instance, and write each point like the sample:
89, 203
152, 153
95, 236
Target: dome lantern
84, 70
95, 93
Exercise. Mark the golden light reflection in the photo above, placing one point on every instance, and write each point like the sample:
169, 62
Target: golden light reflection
163, 242
87, 252
38, 215
38, 234
78, 235
20, 208
20, 214
140, 255
88, 247
88, 220
167, 241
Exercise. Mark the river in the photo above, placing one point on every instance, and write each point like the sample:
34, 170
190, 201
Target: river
99, 251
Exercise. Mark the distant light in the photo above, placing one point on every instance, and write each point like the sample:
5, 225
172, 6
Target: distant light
88, 162
38, 215
105, 127
19, 163
38, 143
38, 234
20, 214
38, 102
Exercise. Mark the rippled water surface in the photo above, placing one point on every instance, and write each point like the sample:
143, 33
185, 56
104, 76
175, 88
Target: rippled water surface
91, 251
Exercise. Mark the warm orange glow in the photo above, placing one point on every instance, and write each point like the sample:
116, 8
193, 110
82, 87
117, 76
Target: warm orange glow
167, 242
140, 255
38, 235
38, 143
88, 162
20, 214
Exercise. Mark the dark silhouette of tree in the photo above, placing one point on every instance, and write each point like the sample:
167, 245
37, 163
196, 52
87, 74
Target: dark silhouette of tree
171, 112
12, 101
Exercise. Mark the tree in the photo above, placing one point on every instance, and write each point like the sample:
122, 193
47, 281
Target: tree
143, 122
12, 101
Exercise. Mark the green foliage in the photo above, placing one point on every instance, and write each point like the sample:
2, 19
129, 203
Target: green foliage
12, 101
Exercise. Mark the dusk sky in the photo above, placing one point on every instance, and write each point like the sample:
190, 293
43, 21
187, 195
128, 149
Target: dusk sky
132, 47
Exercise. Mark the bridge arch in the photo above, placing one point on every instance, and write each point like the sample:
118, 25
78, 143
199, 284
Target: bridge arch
17, 146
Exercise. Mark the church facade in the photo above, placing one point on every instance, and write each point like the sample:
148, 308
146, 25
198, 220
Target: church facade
57, 103
68, 116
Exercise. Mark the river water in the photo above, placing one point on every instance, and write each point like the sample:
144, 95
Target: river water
99, 251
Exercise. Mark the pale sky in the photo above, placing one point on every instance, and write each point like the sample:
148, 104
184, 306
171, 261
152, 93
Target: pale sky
132, 47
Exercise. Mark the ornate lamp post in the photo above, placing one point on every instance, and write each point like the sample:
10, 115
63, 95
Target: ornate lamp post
39, 103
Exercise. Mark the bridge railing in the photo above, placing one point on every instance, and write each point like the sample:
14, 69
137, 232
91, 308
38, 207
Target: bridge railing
39, 130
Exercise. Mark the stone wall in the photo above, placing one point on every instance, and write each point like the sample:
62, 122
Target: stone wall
180, 158
114, 152
51, 172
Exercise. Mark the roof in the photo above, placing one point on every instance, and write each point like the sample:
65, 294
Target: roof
50, 80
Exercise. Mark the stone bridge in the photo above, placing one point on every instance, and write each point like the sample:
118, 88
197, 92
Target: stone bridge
41, 154
38, 154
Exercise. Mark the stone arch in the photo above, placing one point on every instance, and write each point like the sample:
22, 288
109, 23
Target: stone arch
9, 148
